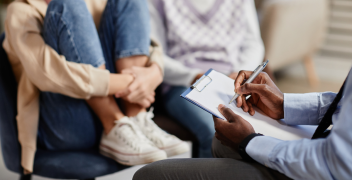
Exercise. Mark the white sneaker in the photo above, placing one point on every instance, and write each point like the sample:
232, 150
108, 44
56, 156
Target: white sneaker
127, 145
164, 141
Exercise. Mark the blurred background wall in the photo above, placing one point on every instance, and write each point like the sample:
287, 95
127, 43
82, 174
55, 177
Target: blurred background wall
309, 42
339, 39
338, 42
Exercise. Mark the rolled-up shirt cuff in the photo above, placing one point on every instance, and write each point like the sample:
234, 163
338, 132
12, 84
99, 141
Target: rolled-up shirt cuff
301, 109
99, 82
260, 147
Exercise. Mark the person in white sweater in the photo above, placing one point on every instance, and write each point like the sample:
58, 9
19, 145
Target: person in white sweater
197, 35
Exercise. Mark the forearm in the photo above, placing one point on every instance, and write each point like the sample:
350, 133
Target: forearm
301, 159
119, 82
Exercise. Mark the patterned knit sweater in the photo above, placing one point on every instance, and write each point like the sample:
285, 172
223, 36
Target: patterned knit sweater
195, 41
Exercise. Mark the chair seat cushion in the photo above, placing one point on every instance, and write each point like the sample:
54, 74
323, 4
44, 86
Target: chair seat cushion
74, 164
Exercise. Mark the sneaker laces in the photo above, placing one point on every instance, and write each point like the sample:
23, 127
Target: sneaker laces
131, 135
153, 131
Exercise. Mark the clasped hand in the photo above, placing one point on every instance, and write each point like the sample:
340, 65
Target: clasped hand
264, 94
142, 89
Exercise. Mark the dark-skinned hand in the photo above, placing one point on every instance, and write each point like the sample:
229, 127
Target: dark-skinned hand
233, 131
264, 94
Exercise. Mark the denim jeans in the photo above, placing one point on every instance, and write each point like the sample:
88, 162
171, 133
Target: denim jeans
198, 121
67, 123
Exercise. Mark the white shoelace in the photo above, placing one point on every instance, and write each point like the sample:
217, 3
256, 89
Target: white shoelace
130, 134
152, 131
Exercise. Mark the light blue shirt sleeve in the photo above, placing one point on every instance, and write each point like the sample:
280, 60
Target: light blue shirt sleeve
306, 109
328, 158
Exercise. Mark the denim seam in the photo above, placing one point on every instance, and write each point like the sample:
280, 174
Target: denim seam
69, 33
132, 52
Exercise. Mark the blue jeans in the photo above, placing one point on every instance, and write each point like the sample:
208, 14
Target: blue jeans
198, 121
67, 123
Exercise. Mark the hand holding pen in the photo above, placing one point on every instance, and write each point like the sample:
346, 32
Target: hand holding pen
265, 95
255, 73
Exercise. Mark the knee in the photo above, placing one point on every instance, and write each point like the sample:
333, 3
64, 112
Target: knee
68, 7
63, 13
68, 3
149, 171
133, 8
130, 4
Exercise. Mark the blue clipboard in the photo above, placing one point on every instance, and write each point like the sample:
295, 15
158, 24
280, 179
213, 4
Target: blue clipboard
195, 87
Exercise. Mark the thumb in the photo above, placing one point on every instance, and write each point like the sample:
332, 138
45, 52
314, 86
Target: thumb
249, 88
218, 123
227, 113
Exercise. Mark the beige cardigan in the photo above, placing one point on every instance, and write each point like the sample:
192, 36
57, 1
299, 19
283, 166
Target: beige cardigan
37, 67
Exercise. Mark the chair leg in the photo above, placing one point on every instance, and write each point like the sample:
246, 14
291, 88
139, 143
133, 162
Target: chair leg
26, 177
311, 73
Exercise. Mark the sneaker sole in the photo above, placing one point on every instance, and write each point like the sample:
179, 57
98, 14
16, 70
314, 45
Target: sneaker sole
176, 149
132, 159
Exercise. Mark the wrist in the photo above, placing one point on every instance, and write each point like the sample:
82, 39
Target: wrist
242, 146
119, 82
157, 73
156, 68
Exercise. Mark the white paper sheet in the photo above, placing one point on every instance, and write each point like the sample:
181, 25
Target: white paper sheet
221, 90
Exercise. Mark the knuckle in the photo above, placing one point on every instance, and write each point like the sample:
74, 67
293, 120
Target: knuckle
247, 86
264, 74
266, 87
